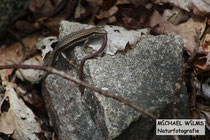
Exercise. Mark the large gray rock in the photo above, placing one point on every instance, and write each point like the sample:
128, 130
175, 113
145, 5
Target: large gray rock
145, 75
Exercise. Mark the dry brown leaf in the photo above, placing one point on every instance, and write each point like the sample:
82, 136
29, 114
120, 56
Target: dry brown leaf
185, 30
108, 14
44, 8
107, 4
50, 23
175, 16
87, 9
199, 7
16, 118
161, 25
64, 9
9, 55
124, 2
60, 8
80, 10
13, 54
112, 19
132, 17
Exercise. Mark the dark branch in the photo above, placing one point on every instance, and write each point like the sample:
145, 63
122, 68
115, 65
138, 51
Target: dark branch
67, 76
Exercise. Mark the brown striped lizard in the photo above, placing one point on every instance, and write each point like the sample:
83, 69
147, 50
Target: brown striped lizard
73, 40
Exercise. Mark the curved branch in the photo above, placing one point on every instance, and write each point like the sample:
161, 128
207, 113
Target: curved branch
67, 76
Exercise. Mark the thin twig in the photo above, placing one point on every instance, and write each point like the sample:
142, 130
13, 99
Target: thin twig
181, 75
192, 98
67, 76
178, 84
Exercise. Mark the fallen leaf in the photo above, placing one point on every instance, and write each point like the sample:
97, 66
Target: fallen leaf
17, 120
80, 10
45, 45
118, 37
13, 54
161, 25
185, 30
30, 74
112, 19
201, 7
44, 8
132, 17
9, 55
89, 9
50, 23
107, 14
175, 16
107, 4
62, 9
